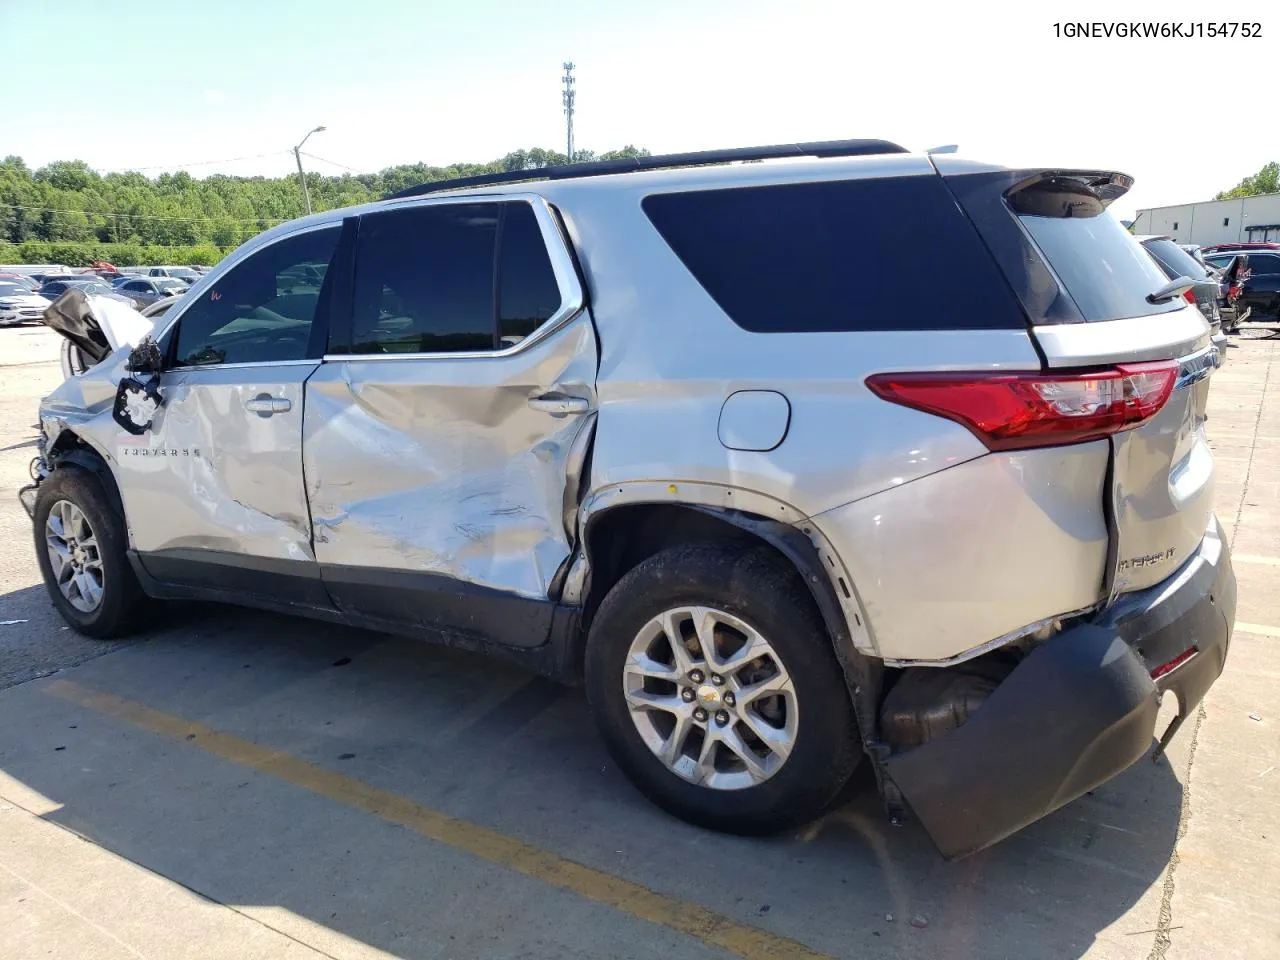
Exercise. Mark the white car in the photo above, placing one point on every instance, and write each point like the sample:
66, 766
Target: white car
19, 305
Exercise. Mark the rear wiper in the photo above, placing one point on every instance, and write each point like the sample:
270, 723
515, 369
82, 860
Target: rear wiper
1174, 288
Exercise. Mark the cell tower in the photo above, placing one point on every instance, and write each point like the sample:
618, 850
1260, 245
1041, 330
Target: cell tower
567, 99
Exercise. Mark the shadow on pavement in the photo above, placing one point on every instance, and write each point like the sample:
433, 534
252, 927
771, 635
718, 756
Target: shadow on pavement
489, 744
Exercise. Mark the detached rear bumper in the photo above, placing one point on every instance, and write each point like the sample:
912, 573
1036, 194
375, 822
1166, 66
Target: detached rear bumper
1076, 711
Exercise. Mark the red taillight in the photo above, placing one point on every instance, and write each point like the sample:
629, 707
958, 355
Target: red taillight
1008, 411
1190, 296
1173, 664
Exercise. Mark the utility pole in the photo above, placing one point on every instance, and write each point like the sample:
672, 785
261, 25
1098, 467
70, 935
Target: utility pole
302, 177
567, 99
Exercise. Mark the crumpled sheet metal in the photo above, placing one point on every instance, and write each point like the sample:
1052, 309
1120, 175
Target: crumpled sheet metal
441, 466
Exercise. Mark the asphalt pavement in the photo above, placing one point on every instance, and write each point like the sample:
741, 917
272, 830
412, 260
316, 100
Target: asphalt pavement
238, 784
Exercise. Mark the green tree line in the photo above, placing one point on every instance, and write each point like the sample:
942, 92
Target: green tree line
66, 212
1266, 180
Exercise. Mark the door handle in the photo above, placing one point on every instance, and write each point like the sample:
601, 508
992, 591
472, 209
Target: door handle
559, 405
264, 405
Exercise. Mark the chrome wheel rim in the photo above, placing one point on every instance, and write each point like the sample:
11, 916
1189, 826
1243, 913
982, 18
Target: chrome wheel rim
711, 698
74, 556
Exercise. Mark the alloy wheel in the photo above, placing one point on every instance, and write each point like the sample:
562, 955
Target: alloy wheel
711, 698
74, 556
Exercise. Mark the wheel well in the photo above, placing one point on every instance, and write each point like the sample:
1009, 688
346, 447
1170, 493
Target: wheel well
622, 538
72, 450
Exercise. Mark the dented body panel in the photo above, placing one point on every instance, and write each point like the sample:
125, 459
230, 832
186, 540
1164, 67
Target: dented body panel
442, 466
213, 474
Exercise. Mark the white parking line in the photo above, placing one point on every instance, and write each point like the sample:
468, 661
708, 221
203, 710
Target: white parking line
1260, 629
1255, 558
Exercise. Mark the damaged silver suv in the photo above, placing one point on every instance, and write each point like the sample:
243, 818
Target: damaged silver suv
646, 425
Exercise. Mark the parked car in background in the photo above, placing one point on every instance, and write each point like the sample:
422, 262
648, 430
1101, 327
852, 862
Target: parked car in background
54, 288
144, 291
1255, 274
1204, 290
21, 279
18, 304
1243, 246
959, 527
186, 274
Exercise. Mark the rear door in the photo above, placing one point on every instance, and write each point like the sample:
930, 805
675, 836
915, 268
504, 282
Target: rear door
1085, 283
445, 433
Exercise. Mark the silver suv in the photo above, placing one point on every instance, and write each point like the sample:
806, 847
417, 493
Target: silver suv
664, 427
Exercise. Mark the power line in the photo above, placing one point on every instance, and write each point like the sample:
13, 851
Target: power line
194, 163
333, 162
142, 216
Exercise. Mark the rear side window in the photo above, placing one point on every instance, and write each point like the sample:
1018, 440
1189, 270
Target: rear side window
882, 254
451, 278
1100, 264
424, 280
527, 291
1264, 263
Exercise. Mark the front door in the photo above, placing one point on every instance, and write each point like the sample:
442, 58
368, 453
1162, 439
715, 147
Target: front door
214, 492
443, 444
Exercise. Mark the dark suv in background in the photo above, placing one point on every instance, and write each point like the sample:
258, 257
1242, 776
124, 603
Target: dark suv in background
1255, 271
1175, 262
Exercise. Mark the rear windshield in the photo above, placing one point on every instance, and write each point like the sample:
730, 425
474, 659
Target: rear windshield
1177, 261
844, 255
1102, 266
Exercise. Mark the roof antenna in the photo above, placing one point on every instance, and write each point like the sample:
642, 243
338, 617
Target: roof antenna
947, 148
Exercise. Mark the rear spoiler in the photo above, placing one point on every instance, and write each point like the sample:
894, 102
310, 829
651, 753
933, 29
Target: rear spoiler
1107, 186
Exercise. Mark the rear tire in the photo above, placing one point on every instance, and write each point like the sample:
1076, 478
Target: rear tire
646, 705
82, 552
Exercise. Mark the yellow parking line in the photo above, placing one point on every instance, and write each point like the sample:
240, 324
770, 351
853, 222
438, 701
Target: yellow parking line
711, 928
1260, 629
1255, 558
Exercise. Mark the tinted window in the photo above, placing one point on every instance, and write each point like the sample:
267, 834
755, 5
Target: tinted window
424, 280
883, 254
1264, 263
252, 313
12, 290
527, 290
1100, 264
1176, 261
136, 285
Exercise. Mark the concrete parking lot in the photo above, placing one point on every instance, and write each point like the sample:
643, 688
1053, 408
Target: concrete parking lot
237, 784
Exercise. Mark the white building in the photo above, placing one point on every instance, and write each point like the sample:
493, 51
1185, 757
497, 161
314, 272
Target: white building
1215, 221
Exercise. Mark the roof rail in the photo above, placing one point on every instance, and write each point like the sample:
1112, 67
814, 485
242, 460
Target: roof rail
600, 168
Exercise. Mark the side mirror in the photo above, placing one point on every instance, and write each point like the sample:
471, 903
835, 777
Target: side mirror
145, 358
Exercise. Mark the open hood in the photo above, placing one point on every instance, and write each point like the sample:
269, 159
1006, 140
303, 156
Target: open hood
97, 325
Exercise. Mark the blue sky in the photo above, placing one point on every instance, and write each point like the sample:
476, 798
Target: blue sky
139, 84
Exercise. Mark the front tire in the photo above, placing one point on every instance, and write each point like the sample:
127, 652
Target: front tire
81, 546
714, 685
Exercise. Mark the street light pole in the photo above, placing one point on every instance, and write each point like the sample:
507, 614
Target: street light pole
302, 177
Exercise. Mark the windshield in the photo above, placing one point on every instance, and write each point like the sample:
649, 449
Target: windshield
1098, 262
12, 289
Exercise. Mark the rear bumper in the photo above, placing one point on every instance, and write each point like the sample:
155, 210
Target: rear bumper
1076, 711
